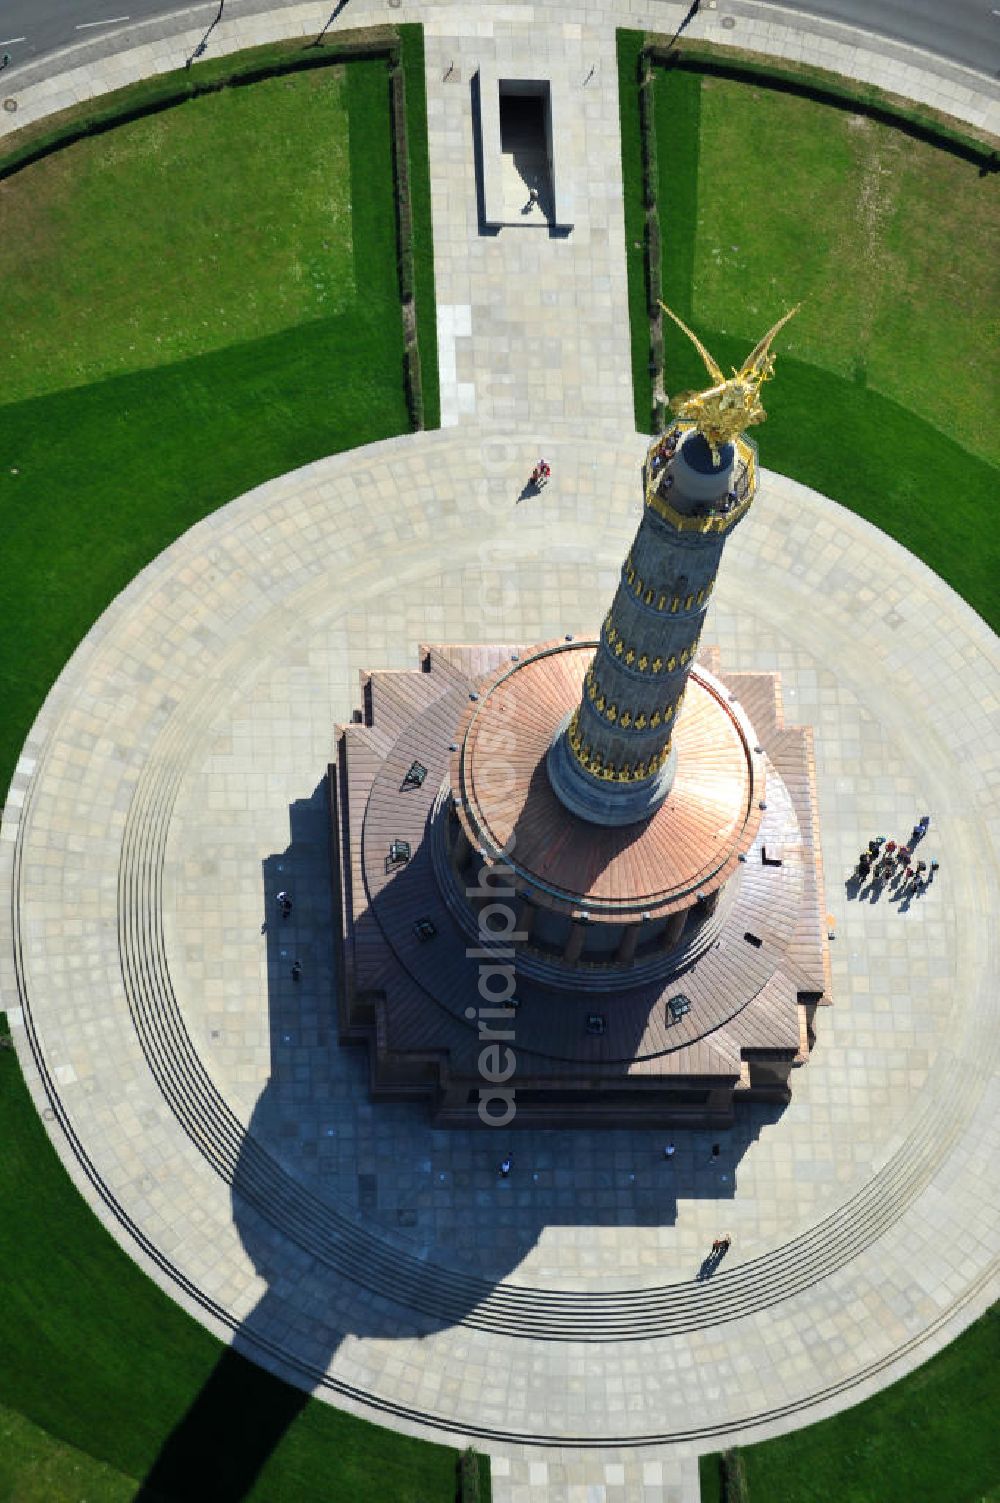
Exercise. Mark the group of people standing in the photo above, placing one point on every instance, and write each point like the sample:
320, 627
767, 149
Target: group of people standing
885, 861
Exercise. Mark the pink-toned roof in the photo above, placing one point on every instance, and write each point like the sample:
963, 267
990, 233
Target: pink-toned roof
690, 846
744, 995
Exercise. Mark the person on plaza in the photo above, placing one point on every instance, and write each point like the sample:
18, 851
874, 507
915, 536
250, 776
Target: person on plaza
920, 828
932, 869
864, 865
669, 1151
903, 855
540, 474
284, 903
505, 1167
296, 970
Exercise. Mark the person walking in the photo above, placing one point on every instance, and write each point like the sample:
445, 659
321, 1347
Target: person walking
284, 903
296, 970
669, 1151
505, 1167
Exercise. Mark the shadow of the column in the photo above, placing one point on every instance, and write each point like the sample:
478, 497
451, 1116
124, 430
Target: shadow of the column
317, 1145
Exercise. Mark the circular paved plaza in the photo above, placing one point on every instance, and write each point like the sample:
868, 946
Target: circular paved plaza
173, 785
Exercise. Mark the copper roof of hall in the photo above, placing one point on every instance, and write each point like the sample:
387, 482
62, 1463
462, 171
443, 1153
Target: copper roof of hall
745, 996
689, 847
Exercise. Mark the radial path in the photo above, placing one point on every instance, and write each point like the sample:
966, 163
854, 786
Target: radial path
173, 785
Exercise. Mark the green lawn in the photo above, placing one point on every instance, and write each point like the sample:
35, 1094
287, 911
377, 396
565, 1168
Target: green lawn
194, 302
931, 1438
118, 457
36, 1468
222, 221
888, 381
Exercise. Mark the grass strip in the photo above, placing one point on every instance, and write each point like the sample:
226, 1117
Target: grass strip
35, 1467
33, 142
929, 1437
809, 82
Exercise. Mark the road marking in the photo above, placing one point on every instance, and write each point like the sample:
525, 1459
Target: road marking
111, 21
11, 40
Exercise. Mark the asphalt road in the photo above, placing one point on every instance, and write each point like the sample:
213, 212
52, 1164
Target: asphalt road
963, 31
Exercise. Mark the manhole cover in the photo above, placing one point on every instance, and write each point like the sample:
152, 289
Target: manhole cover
10, 105
728, 22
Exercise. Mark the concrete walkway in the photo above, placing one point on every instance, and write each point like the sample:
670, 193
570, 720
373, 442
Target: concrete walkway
171, 786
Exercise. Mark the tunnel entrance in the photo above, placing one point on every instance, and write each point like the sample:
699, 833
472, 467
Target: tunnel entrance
526, 151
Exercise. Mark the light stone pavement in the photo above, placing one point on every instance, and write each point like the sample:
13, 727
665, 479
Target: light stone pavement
171, 786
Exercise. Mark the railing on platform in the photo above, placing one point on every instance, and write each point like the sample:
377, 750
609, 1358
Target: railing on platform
721, 517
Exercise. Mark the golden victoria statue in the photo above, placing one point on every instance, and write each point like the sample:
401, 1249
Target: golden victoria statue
723, 411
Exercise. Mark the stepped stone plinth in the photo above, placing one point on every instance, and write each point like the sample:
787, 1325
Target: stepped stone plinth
579, 882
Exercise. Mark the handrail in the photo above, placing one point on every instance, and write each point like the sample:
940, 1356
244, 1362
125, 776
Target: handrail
745, 485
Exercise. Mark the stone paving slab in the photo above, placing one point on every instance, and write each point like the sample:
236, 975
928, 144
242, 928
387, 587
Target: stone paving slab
226, 664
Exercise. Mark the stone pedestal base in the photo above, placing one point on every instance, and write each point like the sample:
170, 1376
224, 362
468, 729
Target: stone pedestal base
457, 963
609, 804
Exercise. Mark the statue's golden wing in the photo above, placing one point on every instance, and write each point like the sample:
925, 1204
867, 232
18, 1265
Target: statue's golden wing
759, 353
710, 365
